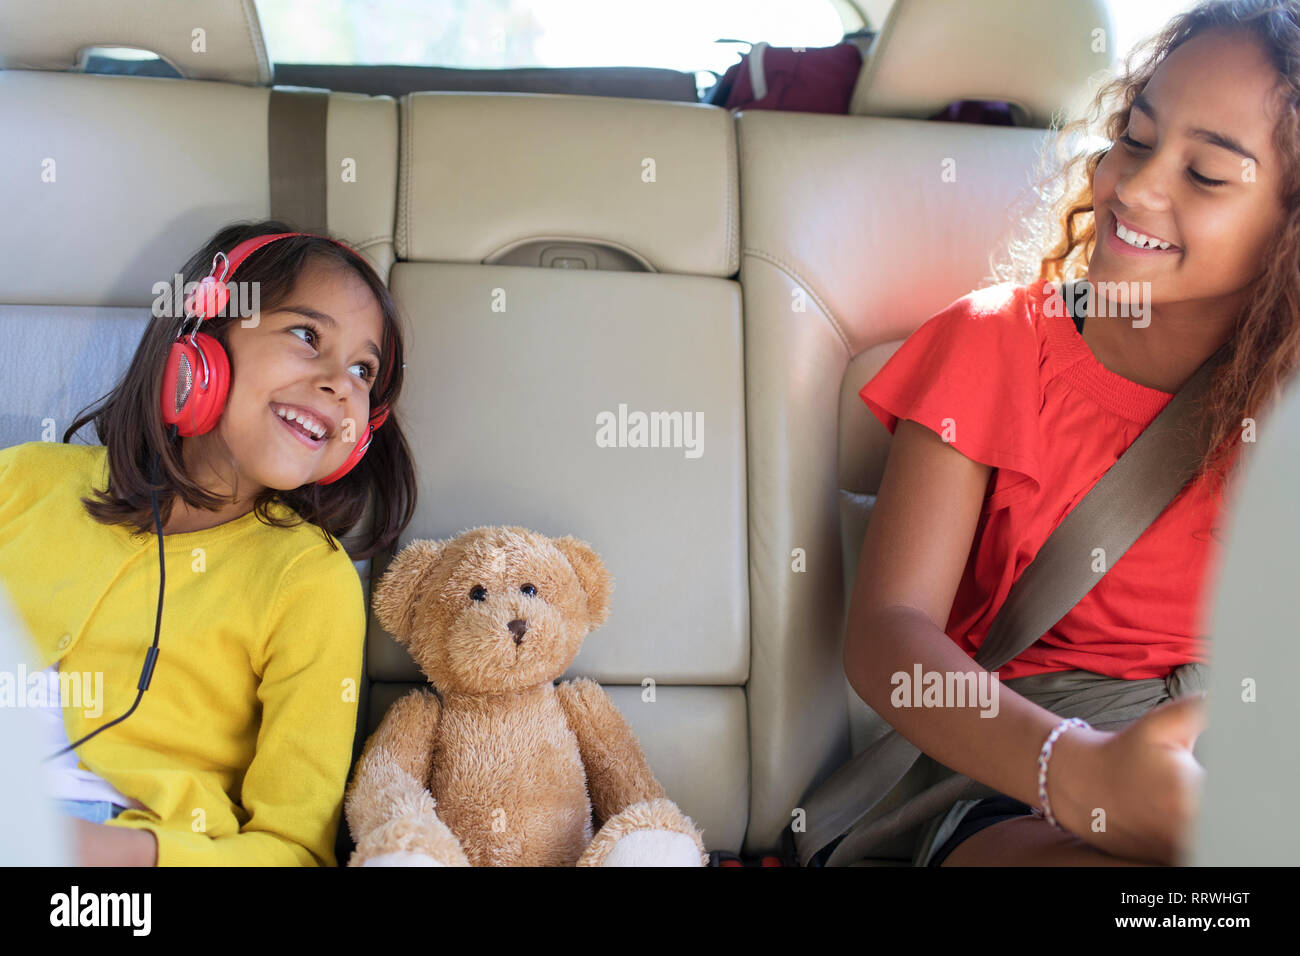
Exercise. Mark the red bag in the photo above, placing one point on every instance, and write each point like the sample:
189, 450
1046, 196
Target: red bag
819, 80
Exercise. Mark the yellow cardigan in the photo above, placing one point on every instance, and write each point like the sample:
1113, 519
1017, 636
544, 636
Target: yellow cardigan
240, 748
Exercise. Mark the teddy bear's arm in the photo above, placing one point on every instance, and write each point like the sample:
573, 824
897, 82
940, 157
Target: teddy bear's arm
393, 773
617, 773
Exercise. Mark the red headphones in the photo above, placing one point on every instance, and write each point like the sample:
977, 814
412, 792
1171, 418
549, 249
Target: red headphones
195, 407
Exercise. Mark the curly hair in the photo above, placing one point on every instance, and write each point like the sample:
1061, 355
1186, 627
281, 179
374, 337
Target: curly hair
1265, 346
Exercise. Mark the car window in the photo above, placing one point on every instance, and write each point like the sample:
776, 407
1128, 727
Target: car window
673, 34
1136, 22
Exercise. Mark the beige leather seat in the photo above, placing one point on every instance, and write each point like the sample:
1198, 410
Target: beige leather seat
853, 236
561, 257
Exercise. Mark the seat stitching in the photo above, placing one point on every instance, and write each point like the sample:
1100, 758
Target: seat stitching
410, 152
730, 164
259, 46
405, 131
793, 273
371, 241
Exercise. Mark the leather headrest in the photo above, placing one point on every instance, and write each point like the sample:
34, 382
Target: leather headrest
1039, 57
202, 39
484, 175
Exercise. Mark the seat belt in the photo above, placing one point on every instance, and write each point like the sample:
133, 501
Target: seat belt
296, 122
1111, 516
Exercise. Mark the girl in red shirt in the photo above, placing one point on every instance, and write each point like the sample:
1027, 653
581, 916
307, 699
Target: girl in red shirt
1194, 209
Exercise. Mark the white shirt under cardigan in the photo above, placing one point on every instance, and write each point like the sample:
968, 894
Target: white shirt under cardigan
64, 780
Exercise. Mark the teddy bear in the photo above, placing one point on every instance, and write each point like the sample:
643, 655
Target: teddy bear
499, 765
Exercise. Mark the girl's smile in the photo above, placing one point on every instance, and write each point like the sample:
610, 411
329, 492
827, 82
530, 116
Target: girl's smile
311, 427
1127, 244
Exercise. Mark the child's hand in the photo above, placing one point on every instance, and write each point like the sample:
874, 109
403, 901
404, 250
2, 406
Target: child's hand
1145, 779
101, 845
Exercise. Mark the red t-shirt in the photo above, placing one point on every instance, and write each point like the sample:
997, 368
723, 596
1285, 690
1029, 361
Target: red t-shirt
1025, 395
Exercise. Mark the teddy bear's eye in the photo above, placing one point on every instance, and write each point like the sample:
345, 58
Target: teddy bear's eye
529, 590
478, 593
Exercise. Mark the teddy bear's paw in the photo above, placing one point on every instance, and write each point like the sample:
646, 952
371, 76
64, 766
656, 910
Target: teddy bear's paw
653, 848
649, 833
404, 837
402, 859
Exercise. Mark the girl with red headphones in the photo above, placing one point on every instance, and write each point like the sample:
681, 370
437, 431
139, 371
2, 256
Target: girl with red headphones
244, 443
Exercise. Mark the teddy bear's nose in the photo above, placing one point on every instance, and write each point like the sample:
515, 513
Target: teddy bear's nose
517, 628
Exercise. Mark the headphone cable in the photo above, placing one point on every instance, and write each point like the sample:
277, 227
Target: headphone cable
151, 658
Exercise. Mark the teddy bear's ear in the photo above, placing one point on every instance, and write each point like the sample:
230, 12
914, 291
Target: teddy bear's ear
397, 592
592, 576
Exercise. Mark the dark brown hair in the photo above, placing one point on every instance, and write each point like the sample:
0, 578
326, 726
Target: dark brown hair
1265, 346
128, 420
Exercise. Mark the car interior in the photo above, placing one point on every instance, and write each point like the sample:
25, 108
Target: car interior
562, 242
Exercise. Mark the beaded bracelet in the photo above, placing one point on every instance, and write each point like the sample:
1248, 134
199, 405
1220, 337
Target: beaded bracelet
1046, 753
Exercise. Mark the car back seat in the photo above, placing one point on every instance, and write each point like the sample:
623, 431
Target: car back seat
852, 237
563, 257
